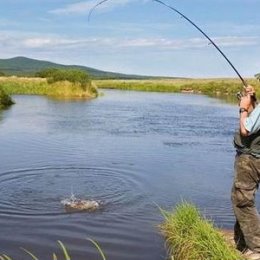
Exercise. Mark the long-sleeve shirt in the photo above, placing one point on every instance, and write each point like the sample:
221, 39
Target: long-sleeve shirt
252, 122
249, 144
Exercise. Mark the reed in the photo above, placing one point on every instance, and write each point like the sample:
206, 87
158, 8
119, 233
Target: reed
189, 236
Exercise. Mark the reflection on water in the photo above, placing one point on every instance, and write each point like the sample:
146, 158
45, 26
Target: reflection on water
1, 115
130, 150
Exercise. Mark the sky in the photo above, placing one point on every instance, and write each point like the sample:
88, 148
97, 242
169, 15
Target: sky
135, 36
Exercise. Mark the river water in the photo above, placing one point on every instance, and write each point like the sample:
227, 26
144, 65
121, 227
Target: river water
131, 150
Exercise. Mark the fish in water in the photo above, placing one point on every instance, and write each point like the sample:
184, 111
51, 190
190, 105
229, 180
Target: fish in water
74, 204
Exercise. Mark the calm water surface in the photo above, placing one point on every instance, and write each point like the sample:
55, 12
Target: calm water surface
131, 150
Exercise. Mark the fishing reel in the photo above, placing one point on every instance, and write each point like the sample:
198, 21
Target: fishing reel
241, 94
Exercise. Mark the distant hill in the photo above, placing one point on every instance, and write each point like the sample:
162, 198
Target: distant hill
22, 66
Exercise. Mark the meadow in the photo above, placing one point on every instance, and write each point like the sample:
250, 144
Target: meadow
226, 87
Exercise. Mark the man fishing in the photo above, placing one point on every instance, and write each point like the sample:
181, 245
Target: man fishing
247, 162
247, 176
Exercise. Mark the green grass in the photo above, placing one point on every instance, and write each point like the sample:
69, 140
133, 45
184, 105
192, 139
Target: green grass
5, 100
191, 237
211, 87
226, 88
39, 86
65, 253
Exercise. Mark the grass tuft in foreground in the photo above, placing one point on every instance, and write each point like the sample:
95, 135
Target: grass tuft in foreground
64, 250
191, 237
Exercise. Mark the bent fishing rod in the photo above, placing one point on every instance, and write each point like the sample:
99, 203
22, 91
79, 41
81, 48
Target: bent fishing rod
199, 29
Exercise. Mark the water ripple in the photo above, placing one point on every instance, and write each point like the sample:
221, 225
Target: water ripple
38, 191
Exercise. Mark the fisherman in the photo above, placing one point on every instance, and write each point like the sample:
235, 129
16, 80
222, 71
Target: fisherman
247, 177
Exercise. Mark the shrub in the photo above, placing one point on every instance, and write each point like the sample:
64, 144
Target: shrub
72, 75
5, 100
46, 73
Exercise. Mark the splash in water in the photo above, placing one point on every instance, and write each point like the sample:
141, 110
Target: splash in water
73, 204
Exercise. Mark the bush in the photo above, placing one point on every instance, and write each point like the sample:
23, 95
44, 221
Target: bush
72, 75
47, 73
5, 100
2, 74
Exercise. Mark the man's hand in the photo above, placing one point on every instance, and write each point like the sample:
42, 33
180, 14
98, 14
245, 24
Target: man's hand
250, 90
246, 101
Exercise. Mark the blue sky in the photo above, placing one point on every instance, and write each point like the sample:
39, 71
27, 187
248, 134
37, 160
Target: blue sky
135, 36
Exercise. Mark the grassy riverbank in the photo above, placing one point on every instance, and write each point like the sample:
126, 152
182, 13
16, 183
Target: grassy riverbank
66, 89
40, 86
211, 87
190, 237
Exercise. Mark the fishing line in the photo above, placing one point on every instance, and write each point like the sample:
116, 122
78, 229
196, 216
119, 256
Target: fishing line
192, 23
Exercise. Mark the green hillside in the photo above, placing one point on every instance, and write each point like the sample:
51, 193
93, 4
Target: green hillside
22, 66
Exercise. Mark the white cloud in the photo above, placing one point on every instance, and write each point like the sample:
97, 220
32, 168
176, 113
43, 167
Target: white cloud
48, 42
163, 43
52, 41
132, 55
237, 41
85, 6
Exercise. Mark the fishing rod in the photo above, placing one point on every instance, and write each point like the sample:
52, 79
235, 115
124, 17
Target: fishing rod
239, 95
211, 41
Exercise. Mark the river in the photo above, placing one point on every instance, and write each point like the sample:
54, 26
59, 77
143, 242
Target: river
133, 151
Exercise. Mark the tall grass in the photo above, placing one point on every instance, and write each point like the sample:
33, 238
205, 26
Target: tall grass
190, 237
39, 86
211, 87
64, 250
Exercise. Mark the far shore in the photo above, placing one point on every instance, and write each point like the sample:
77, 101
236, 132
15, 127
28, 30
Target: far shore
215, 87
218, 87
